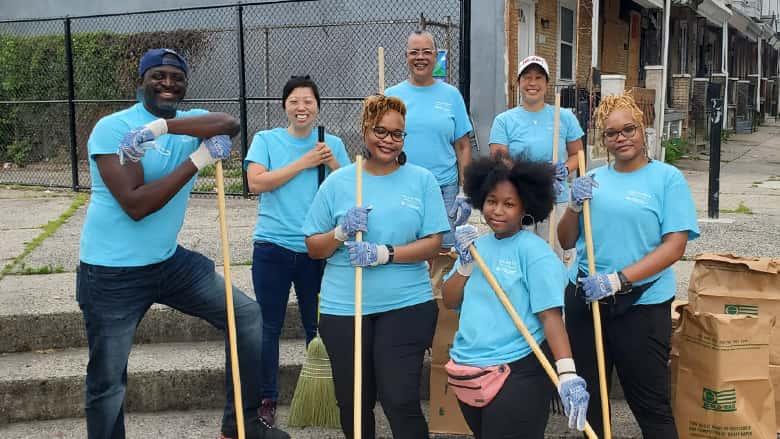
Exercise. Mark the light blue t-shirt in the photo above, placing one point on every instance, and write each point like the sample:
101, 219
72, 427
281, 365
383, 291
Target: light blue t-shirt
532, 277
529, 135
630, 214
110, 237
436, 117
282, 210
407, 206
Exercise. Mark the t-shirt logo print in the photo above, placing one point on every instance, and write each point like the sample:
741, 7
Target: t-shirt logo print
443, 106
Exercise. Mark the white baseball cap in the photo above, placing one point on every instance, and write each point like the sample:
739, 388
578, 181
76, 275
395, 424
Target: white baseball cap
531, 60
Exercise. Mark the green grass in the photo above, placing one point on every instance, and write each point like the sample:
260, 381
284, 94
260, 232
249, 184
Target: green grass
211, 171
46, 269
48, 229
740, 209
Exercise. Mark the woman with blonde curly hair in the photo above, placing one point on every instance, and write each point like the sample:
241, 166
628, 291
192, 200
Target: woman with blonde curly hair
642, 216
402, 223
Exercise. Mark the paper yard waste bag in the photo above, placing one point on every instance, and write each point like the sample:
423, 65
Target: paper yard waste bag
729, 284
444, 412
723, 387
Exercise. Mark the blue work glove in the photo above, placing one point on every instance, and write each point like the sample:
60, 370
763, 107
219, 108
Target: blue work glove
574, 396
581, 190
464, 237
561, 173
211, 150
364, 254
355, 220
132, 147
599, 286
460, 210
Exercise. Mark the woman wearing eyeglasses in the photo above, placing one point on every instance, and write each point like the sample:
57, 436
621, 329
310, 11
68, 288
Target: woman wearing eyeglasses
527, 132
281, 165
402, 221
642, 215
438, 126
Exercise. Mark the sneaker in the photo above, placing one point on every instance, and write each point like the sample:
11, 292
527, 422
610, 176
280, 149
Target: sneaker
267, 410
254, 428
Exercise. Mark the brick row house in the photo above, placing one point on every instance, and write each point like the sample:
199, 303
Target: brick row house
629, 41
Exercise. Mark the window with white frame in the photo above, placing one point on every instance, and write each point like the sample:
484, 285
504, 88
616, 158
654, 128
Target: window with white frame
683, 47
567, 31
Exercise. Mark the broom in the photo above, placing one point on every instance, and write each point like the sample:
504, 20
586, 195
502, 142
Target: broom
314, 400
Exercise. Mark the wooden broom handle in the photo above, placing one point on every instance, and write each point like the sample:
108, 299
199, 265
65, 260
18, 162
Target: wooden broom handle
596, 308
358, 383
521, 326
556, 137
231, 315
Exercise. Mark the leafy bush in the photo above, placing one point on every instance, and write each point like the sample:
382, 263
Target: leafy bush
675, 149
104, 64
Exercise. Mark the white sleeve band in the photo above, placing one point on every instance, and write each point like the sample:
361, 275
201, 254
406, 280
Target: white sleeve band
460, 192
202, 157
614, 282
466, 269
340, 234
158, 127
565, 365
382, 255
574, 207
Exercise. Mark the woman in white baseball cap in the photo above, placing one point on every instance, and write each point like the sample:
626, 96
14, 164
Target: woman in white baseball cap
526, 131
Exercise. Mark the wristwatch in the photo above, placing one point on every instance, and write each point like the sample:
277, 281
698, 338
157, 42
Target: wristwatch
391, 252
625, 284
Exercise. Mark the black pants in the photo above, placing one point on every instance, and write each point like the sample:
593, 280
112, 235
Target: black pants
520, 409
394, 344
637, 344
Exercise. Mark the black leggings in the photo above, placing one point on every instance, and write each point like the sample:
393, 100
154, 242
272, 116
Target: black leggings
637, 344
520, 409
394, 344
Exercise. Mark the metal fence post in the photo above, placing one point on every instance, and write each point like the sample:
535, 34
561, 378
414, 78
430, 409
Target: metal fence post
242, 96
74, 158
464, 74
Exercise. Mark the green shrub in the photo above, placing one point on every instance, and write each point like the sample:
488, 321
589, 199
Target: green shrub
675, 149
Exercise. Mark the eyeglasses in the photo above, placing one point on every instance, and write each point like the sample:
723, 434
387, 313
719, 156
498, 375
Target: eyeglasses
382, 132
627, 132
417, 52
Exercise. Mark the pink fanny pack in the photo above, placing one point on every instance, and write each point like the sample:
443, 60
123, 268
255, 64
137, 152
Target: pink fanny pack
476, 386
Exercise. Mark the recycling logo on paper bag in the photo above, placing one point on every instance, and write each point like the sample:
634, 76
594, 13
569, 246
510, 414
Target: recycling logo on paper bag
719, 401
733, 309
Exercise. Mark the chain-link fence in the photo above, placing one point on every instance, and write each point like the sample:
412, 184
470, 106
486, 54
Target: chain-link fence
58, 77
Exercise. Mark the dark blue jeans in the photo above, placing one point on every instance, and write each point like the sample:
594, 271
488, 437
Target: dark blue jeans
113, 301
274, 269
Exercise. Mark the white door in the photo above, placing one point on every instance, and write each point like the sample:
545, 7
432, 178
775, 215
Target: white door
525, 39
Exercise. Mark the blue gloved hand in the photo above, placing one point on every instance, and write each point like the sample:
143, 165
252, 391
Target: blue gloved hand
364, 254
599, 286
211, 150
460, 210
561, 173
353, 221
132, 147
464, 237
581, 190
574, 396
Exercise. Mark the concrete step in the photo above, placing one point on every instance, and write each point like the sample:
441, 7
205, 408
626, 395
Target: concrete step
40, 312
166, 376
204, 424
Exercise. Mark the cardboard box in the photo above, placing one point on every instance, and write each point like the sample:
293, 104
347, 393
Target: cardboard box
445, 415
774, 376
736, 285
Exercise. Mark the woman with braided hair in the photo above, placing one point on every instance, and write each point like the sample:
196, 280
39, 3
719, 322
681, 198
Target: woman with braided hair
642, 216
402, 223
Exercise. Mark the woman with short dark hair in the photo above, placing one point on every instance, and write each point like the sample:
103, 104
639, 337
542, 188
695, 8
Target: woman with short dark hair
281, 165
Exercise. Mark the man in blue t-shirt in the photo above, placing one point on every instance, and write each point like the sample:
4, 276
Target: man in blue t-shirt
143, 162
437, 126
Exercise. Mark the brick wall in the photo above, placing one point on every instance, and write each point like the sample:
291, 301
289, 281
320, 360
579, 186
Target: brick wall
584, 45
547, 41
681, 97
511, 23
